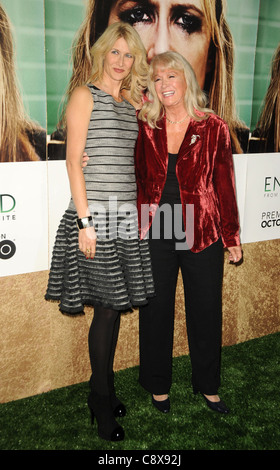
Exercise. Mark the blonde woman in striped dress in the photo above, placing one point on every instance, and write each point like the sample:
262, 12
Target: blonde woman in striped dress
101, 262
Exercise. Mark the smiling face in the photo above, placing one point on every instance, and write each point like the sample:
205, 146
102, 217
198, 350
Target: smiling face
118, 61
170, 87
168, 25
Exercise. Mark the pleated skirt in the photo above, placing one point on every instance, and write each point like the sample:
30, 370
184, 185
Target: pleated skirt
118, 277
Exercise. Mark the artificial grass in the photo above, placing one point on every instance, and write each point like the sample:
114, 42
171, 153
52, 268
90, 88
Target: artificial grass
59, 420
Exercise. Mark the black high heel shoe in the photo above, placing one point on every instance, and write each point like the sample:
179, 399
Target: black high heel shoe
119, 410
101, 409
218, 406
118, 407
163, 406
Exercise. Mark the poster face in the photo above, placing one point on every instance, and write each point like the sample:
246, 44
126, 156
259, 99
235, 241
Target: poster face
237, 93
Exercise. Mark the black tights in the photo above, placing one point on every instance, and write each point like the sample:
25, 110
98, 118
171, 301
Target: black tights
102, 340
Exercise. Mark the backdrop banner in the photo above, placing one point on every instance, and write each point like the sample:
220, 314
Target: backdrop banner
23, 217
261, 219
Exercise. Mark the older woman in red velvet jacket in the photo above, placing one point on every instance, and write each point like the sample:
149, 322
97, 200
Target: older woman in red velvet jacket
183, 160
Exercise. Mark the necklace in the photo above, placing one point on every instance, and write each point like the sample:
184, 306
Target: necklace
177, 122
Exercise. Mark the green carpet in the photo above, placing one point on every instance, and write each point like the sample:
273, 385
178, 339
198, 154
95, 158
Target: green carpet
59, 420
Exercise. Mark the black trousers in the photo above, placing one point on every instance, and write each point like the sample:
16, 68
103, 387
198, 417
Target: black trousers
202, 278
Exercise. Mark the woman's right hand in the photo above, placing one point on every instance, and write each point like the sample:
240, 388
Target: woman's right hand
235, 253
87, 241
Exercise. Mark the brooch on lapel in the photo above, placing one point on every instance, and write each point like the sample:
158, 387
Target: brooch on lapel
194, 138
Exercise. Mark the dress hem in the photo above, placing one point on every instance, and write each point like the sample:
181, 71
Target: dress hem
88, 303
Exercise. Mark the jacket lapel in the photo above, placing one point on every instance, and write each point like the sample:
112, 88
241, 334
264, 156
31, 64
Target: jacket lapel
161, 151
191, 140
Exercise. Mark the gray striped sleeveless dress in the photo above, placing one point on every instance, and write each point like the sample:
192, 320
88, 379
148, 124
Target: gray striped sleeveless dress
120, 274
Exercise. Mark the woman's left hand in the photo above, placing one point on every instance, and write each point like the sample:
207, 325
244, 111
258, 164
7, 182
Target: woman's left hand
85, 160
235, 253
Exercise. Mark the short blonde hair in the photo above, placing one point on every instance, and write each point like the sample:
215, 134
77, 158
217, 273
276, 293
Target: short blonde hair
195, 99
136, 81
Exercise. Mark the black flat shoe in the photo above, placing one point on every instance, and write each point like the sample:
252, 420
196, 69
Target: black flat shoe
218, 406
163, 406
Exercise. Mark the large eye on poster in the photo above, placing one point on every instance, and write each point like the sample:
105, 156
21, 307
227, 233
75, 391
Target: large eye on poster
232, 45
22, 82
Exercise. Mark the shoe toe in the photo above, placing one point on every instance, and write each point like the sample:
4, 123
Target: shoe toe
120, 411
219, 406
163, 406
117, 434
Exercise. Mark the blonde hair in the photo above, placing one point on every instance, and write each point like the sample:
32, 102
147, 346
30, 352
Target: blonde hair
269, 121
14, 124
91, 69
195, 100
136, 81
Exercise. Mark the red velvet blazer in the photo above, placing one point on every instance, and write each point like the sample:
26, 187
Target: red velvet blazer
205, 174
